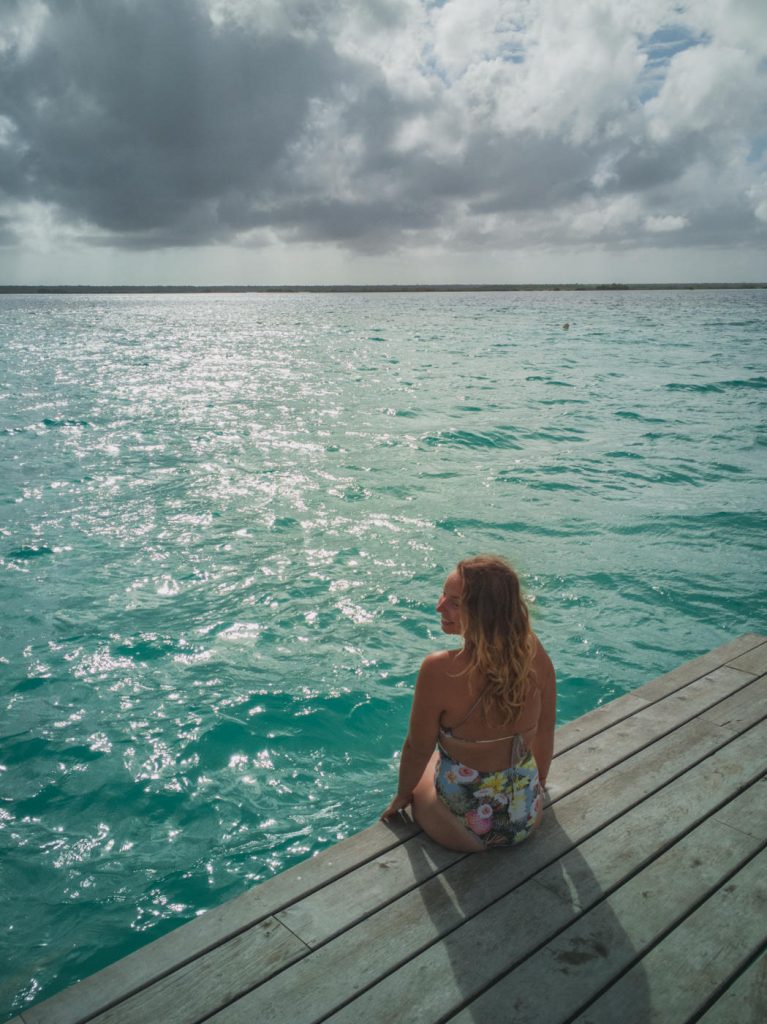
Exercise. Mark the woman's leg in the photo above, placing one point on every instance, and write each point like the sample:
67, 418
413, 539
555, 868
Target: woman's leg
436, 819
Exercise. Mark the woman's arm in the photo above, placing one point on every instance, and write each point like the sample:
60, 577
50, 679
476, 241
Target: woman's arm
543, 744
421, 736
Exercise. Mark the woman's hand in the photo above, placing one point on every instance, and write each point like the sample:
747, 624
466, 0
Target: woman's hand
399, 803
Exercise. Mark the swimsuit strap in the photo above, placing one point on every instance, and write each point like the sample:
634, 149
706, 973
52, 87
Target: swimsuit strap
449, 731
468, 714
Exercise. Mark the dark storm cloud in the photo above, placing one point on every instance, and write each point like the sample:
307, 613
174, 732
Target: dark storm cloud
152, 124
529, 172
644, 165
131, 115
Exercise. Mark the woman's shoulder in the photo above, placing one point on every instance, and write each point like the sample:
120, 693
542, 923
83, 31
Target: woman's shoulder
440, 660
441, 667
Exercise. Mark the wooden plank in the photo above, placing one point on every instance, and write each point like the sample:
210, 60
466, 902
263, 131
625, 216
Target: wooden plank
622, 707
601, 718
643, 833
206, 984
755, 822
356, 959
663, 717
754, 661
341, 904
601, 944
713, 687
612, 793
444, 976
677, 978
159, 958
737, 710
745, 1001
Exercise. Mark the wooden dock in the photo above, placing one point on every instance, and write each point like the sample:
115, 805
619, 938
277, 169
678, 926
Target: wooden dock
642, 898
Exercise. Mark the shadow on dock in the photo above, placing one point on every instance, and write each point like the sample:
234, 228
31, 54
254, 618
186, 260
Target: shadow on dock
545, 949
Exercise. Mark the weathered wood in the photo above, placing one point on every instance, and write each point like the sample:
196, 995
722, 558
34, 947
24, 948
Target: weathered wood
737, 710
213, 980
596, 721
745, 1001
339, 905
165, 955
674, 980
385, 941
615, 792
444, 976
753, 823
662, 718
602, 943
754, 661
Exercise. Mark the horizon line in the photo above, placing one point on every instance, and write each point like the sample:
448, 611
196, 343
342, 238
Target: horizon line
43, 289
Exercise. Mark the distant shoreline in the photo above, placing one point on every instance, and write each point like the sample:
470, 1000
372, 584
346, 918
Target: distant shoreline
129, 289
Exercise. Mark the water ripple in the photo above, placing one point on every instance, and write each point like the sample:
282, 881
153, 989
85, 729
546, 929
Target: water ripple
226, 520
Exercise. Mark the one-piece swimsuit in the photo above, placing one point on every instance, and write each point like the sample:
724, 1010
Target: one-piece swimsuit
500, 807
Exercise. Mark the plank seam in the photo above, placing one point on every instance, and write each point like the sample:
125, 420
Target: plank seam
306, 945
722, 989
655, 739
710, 892
403, 892
534, 878
728, 824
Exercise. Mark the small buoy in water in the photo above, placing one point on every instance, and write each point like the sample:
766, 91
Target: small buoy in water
565, 327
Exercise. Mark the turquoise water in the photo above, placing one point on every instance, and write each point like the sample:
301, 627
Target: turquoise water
226, 521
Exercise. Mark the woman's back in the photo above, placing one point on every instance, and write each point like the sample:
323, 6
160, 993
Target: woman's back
476, 737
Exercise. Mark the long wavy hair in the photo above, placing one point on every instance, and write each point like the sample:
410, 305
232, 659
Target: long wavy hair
497, 637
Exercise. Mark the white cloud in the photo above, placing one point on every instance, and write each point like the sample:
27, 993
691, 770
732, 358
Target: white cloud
21, 24
597, 217
666, 222
707, 88
738, 23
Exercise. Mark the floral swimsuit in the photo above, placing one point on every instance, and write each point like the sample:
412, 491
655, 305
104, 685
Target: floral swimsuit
500, 807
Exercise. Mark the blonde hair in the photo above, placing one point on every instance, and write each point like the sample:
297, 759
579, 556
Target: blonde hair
497, 637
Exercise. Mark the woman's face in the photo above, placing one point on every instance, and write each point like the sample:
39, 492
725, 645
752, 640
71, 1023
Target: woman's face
449, 605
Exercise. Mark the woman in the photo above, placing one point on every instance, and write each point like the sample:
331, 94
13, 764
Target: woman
490, 708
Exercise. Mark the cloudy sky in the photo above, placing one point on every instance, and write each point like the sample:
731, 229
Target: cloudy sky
364, 141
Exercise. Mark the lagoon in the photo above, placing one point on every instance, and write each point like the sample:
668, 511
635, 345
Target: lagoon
226, 521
